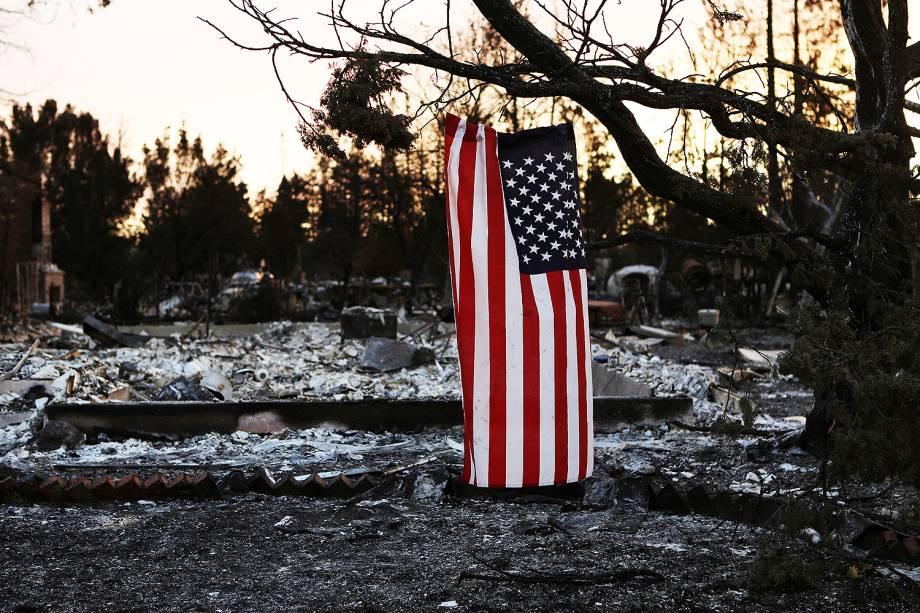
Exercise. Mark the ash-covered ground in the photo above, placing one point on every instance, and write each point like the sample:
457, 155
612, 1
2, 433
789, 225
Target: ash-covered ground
393, 553
413, 543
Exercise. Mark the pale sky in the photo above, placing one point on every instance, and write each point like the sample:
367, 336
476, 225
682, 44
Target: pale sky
142, 65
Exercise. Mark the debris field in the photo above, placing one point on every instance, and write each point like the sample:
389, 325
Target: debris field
682, 513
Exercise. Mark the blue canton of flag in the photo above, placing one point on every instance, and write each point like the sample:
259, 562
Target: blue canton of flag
540, 184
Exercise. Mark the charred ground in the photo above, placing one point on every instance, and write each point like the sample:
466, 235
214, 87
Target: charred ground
416, 540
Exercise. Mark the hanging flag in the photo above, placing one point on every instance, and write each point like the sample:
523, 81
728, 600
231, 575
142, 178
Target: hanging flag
517, 262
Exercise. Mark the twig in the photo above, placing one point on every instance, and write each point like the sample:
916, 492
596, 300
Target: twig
352, 501
644, 236
387, 478
193, 328
682, 426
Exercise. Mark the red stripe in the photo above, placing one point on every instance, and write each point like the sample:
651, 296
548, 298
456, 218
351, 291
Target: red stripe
531, 392
450, 130
580, 340
557, 296
466, 314
497, 323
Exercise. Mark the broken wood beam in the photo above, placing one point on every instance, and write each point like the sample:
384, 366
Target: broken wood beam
196, 418
672, 338
25, 356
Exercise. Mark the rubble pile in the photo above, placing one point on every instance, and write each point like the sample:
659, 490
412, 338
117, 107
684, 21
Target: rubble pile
286, 361
282, 362
665, 378
664, 488
290, 361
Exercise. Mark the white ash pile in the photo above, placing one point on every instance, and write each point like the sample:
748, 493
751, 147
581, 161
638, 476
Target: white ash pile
665, 378
309, 449
284, 361
287, 361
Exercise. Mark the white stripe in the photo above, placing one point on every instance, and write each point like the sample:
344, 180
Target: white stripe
547, 373
514, 363
589, 384
453, 180
453, 218
571, 379
481, 360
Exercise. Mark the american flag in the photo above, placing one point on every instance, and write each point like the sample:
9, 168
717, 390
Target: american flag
520, 296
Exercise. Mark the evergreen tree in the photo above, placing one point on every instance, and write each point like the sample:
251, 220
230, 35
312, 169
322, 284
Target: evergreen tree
197, 209
89, 185
283, 226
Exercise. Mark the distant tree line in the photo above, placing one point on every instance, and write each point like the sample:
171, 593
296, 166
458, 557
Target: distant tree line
123, 229
361, 215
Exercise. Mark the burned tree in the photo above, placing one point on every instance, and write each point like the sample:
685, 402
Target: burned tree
856, 336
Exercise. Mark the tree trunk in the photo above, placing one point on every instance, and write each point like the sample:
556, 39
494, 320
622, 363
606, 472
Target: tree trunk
873, 255
774, 184
819, 422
